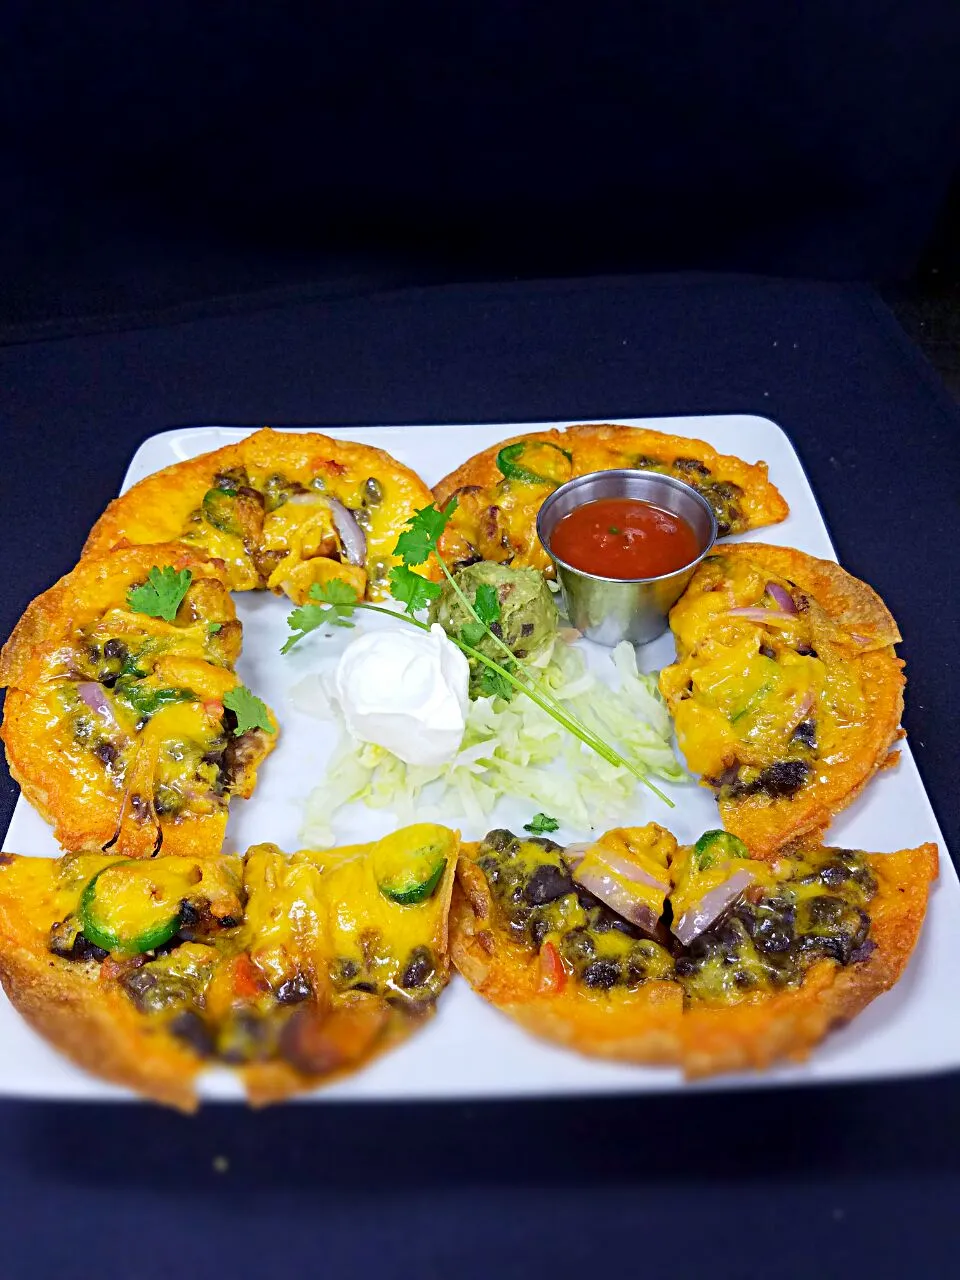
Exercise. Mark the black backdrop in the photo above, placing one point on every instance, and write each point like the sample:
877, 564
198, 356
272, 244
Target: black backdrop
170, 149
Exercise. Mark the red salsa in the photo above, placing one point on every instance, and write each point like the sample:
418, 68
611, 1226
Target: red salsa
624, 538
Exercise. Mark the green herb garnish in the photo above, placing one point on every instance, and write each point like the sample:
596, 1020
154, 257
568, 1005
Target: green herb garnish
333, 604
251, 711
162, 593
413, 590
539, 823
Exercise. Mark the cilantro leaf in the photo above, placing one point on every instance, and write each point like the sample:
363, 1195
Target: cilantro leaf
411, 589
472, 633
160, 596
421, 533
335, 603
539, 823
486, 604
214, 628
493, 683
251, 711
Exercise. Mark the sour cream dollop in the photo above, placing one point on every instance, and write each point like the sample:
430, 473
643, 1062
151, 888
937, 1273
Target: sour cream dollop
405, 690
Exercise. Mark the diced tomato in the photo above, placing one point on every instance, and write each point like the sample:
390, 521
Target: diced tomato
214, 709
553, 976
113, 969
328, 464
248, 980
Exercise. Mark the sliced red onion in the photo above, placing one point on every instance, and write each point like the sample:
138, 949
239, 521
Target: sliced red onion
759, 614
801, 712
783, 597
617, 897
713, 904
575, 854
352, 537
92, 694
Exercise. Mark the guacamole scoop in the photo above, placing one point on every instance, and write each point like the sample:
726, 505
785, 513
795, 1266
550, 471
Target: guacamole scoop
528, 615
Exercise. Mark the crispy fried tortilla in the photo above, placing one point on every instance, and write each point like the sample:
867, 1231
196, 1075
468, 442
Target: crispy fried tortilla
115, 724
282, 510
786, 693
797, 949
293, 970
500, 490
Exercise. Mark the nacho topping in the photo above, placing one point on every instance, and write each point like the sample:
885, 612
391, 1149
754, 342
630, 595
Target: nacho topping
783, 918
761, 693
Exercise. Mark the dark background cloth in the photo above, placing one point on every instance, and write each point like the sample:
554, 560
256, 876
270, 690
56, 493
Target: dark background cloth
832, 1182
164, 152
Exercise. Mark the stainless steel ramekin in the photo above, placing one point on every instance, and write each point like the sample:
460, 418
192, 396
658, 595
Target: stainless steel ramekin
608, 610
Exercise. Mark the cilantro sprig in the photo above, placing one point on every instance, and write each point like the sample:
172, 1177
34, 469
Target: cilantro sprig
541, 822
162, 593
251, 711
334, 602
330, 604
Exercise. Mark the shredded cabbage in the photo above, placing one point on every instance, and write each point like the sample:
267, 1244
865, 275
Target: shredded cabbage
506, 749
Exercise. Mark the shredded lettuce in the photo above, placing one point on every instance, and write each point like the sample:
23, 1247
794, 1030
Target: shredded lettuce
515, 749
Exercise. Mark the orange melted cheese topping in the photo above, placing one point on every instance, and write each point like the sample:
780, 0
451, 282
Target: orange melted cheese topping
754, 690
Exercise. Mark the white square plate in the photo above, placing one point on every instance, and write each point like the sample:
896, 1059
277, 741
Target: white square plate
469, 1050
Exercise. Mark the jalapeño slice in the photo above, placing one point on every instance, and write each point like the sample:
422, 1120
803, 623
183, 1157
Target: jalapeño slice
535, 462
220, 510
408, 871
131, 906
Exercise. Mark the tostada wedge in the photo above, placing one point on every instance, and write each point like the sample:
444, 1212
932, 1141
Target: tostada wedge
786, 693
125, 722
292, 970
500, 490
282, 510
768, 959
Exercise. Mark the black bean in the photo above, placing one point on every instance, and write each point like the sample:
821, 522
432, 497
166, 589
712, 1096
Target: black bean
344, 970
369, 987
865, 949
190, 917
806, 651
578, 946
784, 778
115, 650
539, 928
772, 936
189, 1027
604, 920
138, 983
806, 733
684, 967
546, 885
602, 973
766, 652
229, 922
106, 753
834, 874
295, 989
690, 467
825, 910
372, 492
497, 630
83, 949
245, 1038
526, 629
420, 968
234, 478
499, 840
